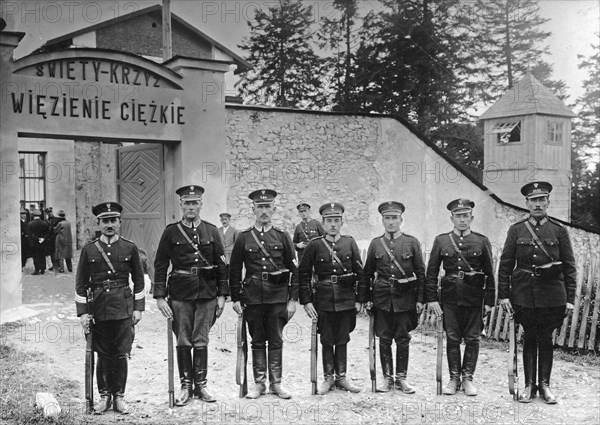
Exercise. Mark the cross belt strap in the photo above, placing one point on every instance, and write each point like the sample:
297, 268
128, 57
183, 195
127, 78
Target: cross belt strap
333, 254
193, 244
392, 257
106, 259
459, 252
538, 241
263, 249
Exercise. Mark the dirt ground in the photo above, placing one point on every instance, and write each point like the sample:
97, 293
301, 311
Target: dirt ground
55, 332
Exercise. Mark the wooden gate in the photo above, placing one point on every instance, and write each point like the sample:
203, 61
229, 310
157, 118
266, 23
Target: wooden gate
141, 191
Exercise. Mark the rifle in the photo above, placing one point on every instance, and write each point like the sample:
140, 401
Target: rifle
439, 324
513, 372
242, 357
89, 355
372, 351
170, 363
314, 355
485, 317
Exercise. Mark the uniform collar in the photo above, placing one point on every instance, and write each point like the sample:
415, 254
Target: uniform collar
463, 233
396, 235
263, 228
537, 222
335, 239
195, 223
104, 238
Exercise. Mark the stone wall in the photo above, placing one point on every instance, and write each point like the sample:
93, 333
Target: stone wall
359, 161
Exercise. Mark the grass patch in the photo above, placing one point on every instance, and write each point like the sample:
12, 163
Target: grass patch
21, 375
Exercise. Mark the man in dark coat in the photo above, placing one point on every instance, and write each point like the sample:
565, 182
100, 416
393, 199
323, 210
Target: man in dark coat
398, 293
537, 280
39, 231
106, 266
339, 292
64, 243
268, 294
467, 284
196, 289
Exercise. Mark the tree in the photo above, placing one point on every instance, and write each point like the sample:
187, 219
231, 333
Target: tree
585, 193
286, 70
508, 40
338, 35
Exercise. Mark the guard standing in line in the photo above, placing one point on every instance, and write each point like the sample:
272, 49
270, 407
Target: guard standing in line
196, 290
537, 278
106, 265
268, 294
338, 296
468, 283
395, 263
307, 230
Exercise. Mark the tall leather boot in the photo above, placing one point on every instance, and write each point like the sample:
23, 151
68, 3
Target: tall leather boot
259, 369
275, 369
545, 369
200, 371
328, 370
468, 367
102, 378
119, 383
387, 366
184, 363
401, 369
340, 362
530, 370
453, 354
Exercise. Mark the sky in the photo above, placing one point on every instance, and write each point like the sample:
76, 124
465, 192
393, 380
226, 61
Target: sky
574, 24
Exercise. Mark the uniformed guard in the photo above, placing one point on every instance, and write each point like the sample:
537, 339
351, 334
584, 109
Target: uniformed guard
196, 289
537, 278
468, 292
307, 230
395, 264
338, 295
106, 265
268, 294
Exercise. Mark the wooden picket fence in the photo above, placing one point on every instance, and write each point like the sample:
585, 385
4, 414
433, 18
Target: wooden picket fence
579, 330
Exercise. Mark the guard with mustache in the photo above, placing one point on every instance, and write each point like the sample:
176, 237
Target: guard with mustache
268, 294
537, 280
106, 265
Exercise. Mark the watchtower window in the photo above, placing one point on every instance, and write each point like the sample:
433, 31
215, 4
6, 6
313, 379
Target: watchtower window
554, 133
507, 132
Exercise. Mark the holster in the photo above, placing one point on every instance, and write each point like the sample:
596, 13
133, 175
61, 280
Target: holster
476, 280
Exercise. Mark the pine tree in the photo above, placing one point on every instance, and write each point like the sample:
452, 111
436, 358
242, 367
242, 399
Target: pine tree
286, 68
585, 194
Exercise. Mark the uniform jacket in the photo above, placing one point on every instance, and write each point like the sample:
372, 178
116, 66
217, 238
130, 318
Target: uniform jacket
228, 239
174, 249
477, 250
246, 253
389, 296
330, 296
516, 279
116, 303
306, 231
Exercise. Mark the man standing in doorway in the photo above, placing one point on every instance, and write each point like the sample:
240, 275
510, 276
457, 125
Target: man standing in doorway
398, 293
106, 265
228, 234
306, 230
39, 232
196, 290
468, 282
268, 294
537, 280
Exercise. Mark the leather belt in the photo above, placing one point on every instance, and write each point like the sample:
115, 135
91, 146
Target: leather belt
461, 274
393, 279
268, 276
107, 285
336, 278
194, 271
538, 270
